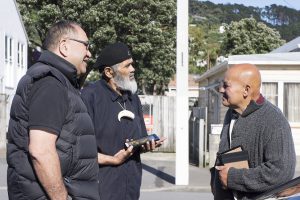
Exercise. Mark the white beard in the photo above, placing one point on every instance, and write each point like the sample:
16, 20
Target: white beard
125, 84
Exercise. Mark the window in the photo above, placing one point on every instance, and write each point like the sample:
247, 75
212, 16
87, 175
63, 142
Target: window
8, 49
292, 101
20, 55
270, 92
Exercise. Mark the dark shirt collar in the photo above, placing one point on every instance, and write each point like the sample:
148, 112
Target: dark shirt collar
65, 67
253, 106
114, 95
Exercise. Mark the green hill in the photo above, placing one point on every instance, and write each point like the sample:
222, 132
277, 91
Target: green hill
285, 20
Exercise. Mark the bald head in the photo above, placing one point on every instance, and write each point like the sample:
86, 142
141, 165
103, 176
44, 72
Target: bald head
247, 74
241, 85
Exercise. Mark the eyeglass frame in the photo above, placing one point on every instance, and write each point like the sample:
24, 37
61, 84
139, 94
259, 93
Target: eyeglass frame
87, 44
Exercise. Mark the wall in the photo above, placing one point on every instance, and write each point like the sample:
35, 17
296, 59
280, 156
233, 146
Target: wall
281, 77
11, 26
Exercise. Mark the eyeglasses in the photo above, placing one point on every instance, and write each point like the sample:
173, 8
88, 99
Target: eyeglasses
85, 43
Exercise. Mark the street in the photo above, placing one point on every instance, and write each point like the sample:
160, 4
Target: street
146, 194
176, 195
158, 180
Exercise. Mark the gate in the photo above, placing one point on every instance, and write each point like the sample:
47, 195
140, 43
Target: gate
198, 136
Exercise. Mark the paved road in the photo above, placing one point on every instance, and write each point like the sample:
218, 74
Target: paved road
175, 196
145, 194
158, 182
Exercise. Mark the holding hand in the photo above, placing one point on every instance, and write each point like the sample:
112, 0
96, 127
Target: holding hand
150, 146
117, 159
122, 155
223, 174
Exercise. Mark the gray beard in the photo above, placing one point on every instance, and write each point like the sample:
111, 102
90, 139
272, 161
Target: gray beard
125, 84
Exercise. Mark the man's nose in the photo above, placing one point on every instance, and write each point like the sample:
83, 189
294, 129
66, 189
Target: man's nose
88, 54
132, 68
221, 89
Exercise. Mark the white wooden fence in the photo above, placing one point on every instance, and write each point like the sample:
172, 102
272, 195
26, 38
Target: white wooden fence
159, 114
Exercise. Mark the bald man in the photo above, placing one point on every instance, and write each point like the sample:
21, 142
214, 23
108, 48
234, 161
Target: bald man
261, 129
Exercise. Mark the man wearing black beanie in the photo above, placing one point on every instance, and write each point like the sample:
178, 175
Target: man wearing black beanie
116, 111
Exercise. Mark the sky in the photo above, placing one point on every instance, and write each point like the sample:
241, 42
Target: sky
261, 3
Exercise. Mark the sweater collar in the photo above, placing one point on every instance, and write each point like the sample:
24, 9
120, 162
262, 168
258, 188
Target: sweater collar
253, 106
65, 67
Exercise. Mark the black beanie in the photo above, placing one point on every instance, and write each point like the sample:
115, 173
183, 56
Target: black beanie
112, 54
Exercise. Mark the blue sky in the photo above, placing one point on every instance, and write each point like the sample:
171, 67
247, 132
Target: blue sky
261, 3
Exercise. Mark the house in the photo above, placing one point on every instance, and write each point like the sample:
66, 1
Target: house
13, 59
292, 46
193, 88
280, 85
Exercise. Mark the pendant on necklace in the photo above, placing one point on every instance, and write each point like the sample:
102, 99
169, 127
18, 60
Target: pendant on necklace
125, 113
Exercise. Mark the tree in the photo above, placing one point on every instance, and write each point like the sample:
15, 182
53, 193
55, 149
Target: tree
196, 38
281, 18
147, 26
204, 47
250, 37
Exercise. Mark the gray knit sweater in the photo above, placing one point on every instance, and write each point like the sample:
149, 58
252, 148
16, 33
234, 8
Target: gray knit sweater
265, 133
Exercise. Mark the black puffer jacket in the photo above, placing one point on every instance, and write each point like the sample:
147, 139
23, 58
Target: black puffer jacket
76, 145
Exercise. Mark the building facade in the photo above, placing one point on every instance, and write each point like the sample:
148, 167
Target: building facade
13, 59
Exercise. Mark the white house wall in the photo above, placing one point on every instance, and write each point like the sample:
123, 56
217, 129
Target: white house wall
281, 77
11, 26
12, 69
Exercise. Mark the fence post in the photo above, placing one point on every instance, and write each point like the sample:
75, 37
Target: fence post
201, 143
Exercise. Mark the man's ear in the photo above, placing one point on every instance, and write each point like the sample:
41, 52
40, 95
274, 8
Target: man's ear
63, 48
247, 90
109, 72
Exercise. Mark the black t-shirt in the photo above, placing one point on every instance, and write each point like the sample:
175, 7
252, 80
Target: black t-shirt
47, 105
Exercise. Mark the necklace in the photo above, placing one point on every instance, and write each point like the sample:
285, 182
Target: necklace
124, 107
125, 112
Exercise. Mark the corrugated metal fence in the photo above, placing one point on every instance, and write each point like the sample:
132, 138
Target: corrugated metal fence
159, 114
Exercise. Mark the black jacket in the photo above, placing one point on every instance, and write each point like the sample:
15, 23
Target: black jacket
76, 145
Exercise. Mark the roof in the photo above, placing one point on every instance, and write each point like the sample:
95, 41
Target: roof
191, 78
292, 46
21, 20
217, 68
291, 58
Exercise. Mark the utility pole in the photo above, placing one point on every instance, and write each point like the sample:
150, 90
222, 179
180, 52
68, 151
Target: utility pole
182, 107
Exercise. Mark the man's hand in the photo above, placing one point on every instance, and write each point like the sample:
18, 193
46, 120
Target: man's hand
150, 146
46, 163
123, 155
117, 159
223, 174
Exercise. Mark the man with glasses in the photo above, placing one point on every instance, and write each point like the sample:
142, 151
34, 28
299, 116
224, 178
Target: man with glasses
85, 43
51, 149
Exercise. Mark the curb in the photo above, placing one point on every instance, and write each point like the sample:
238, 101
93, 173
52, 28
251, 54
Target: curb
178, 189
